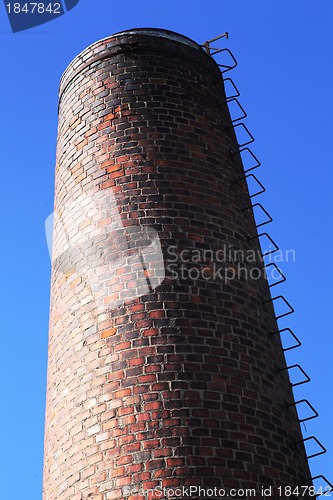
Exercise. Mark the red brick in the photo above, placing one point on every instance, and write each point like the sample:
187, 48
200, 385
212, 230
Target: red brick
108, 333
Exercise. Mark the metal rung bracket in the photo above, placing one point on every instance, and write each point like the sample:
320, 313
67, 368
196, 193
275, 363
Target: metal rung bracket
226, 67
248, 132
237, 94
307, 378
316, 414
285, 301
318, 442
263, 189
253, 156
283, 278
240, 107
276, 249
293, 335
245, 177
265, 211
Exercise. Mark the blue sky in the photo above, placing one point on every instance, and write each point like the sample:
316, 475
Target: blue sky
285, 73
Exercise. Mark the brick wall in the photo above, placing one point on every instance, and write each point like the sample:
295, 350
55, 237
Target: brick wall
182, 384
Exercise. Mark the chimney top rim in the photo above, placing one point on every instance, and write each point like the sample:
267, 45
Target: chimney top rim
158, 32
86, 56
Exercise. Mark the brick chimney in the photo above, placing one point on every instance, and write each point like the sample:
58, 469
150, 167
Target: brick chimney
163, 372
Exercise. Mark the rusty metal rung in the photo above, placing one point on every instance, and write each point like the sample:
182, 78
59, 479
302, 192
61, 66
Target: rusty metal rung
206, 46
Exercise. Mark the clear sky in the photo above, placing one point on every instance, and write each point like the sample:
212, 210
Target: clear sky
285, 72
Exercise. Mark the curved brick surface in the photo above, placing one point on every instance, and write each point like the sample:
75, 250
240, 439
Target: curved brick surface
178, 384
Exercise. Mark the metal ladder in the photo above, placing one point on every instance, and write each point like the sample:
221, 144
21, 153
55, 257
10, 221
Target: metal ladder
253, 163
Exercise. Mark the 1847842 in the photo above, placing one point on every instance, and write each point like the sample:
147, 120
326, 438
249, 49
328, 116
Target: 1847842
34, 8
304, 491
